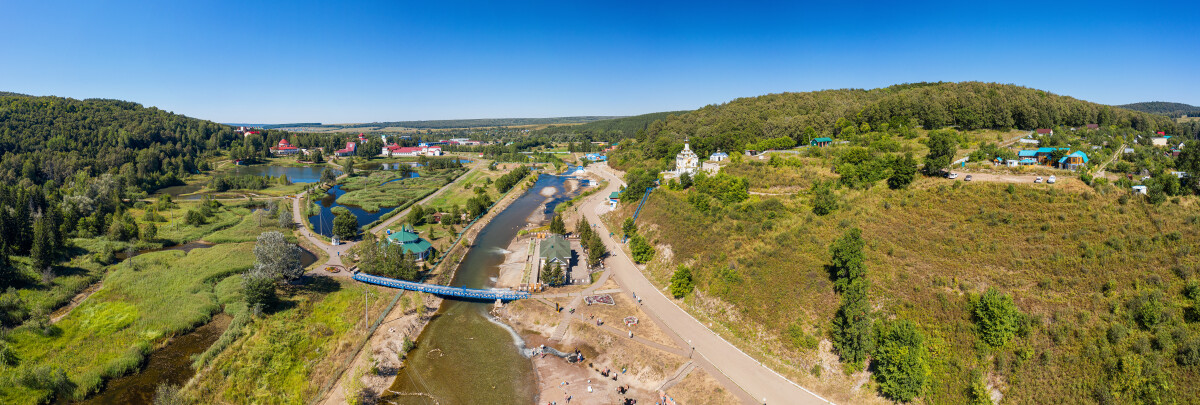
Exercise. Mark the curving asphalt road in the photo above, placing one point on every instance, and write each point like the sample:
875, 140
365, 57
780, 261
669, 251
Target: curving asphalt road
755, 382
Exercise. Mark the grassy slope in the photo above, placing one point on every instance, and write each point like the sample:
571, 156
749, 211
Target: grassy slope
928, 248
286, 357
162, 294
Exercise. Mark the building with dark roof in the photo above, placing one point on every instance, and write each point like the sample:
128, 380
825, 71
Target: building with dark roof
555, 249
411, 243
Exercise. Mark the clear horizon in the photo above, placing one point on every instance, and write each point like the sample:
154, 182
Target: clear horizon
289, 62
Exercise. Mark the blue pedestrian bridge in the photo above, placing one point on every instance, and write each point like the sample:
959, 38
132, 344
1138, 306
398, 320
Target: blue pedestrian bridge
460, 292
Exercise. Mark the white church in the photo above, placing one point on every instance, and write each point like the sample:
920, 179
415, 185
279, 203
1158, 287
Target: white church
688, 162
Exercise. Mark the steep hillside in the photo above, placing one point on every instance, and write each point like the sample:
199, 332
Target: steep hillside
1101, 280
1165, 108
803, 116
57, 139
954, 291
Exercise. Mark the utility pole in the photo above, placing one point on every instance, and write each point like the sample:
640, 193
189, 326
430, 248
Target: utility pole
366, 321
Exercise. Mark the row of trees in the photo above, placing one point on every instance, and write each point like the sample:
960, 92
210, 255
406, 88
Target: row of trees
592, 244
510, 179
245, 182
899, 357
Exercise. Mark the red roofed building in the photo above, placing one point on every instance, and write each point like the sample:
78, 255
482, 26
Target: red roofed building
397, 150
348, 151
1045, 131
1093, 126
285, 148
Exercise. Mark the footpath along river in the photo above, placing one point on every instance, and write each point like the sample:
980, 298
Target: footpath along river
464, 355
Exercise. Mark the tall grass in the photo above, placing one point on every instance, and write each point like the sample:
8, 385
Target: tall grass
759, 267
164, 294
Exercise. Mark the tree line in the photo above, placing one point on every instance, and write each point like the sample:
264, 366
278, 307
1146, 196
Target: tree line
847, 113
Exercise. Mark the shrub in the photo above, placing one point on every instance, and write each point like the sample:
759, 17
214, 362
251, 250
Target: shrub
997, 317
797, 338
901, 364
978, 393
903, 172
824, 202
628, 227
1147, 308
642, 251
258, 289
168, 394
194, 218
681, 282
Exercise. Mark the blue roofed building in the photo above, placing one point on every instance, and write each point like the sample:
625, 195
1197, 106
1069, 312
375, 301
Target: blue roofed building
1073, 161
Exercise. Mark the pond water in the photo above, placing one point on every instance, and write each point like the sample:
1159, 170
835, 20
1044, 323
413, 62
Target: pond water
464, 355
295, 174
322, 223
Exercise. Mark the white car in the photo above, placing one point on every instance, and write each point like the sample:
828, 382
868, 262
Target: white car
1050, 180
1038, 179
952, 175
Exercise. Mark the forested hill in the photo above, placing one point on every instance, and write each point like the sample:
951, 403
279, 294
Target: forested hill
624, 127
1173, 110
803, 116
55, 139
448, 124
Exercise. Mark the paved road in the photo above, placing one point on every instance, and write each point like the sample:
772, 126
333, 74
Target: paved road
754, 381
335, 252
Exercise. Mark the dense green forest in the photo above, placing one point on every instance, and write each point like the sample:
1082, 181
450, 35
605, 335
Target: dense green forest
276, 126
1173, 110
608, 130
463, 123
833, 113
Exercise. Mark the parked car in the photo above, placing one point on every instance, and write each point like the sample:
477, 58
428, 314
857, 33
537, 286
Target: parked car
968, 178
1038, 179
1050, 180
952, 175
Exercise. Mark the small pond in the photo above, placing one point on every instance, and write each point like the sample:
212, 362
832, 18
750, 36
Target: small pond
322, 223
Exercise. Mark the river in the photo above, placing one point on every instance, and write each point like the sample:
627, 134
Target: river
464, 355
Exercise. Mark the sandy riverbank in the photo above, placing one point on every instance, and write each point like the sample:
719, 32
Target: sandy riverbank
383, 352
650, 361
516, 257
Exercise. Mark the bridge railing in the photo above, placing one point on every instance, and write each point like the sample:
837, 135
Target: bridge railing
506, 295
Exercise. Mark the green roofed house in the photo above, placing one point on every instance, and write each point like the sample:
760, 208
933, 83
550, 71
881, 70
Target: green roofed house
613, 198
820, 142
555, 249
411, 243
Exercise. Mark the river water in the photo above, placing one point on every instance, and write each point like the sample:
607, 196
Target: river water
169, 365
464, 355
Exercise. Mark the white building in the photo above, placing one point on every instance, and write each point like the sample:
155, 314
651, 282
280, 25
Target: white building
685, 162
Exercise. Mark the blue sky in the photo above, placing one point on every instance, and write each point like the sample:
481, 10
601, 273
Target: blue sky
336, 62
